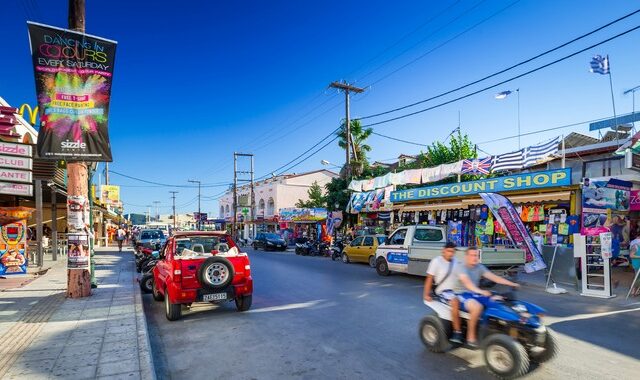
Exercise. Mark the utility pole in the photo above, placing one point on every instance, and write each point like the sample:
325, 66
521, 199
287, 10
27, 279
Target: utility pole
106, 173
199, 221
236, 179
78, 280
347, 88
148, 214
173, 196
156, 203
235, 195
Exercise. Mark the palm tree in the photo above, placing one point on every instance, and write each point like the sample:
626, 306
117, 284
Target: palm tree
359, 148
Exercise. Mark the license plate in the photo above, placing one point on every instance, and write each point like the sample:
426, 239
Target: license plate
214, 297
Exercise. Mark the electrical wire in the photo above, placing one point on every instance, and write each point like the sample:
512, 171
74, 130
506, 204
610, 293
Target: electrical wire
505, 81
451, 22
311, 155
168, 185
445, 42
397, 139
506, 69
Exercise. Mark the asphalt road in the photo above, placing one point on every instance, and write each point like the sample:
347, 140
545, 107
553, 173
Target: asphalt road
316, 319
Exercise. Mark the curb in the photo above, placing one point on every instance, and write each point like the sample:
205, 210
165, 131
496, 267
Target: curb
147, 367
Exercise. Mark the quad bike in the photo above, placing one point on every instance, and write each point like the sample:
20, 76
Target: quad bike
510, 332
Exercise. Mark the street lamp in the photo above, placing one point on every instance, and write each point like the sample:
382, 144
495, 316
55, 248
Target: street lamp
503, 95
633, 93
328, 163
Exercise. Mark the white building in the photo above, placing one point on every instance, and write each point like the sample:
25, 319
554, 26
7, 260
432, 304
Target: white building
274, 193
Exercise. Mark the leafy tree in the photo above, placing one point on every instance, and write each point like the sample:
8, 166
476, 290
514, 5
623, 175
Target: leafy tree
360, 149
460, 147
316, 197
337, 194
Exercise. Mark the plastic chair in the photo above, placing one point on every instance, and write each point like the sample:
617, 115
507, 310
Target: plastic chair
199, 248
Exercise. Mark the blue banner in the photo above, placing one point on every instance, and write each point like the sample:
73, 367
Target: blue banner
523, 181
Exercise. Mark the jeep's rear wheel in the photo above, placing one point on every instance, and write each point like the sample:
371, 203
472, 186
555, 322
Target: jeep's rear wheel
215, 273
243, 303
172, 310
156, 294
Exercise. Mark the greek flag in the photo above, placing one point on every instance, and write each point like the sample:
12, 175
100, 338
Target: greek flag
600, 65
529, 156
508, 161
538, 154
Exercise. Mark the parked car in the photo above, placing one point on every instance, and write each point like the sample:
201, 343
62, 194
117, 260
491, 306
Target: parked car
363, 249
201, 266
269, 241
409, 249
150, 239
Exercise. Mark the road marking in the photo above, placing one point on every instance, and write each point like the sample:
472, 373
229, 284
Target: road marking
552, 320
291, 306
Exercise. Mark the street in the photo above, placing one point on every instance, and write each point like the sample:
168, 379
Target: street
315, 318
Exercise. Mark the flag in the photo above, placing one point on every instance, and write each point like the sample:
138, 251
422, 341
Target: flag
600, 65
477, 166
508, 161
538, 154
503, 94
529, 156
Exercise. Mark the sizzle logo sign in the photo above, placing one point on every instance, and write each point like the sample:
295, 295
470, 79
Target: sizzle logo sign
66, 144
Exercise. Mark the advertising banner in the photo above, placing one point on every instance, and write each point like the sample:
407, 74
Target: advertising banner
507, 215
16, 189
78, 253
634, 200
293, 214
599, 200
334, 220
73, 73
606, 241
13, 247
523, 181
110, 195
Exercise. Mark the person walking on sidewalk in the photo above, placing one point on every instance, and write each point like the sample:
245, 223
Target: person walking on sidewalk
120, 235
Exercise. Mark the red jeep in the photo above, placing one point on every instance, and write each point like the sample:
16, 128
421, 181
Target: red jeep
201, 267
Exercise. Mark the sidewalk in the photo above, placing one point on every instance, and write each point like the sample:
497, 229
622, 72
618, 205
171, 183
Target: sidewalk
46, 336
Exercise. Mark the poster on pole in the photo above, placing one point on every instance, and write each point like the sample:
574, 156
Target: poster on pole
73, 73
77, 212
78, 251
13, 248
506, 214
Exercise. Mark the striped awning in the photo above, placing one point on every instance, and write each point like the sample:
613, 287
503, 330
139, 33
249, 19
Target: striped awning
526, 198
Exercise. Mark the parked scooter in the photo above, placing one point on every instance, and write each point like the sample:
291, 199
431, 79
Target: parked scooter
146, 281
302, 246
336, 250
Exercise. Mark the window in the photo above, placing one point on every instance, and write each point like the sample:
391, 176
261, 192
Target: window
261, 206
151, 234
398, 237
368, 241
381, 239
357, 241
227, 209
270, 206
222, 211
427, 235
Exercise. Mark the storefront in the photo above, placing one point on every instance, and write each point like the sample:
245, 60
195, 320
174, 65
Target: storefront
546, 201
303, 222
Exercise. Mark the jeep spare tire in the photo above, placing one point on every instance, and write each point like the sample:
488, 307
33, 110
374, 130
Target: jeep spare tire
215, 273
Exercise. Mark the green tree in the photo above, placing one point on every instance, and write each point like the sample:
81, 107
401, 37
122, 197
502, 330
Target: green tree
337, 194
360, 149
460, 147
316, 197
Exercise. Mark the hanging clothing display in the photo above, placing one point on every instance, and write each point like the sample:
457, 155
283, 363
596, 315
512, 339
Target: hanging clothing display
412, 177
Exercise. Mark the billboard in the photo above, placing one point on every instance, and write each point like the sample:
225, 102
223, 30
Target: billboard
73, 73
110, 195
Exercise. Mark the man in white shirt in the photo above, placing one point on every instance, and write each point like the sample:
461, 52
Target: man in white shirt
444, 271
120, 235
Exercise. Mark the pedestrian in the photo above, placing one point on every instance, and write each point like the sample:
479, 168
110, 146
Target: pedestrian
120, 236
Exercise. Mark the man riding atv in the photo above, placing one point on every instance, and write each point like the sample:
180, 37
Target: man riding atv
459, 285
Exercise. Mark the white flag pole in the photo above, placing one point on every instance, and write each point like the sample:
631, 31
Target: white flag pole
563, 153
613, 101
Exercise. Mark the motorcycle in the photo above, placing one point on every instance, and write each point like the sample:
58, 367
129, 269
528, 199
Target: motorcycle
146, 281
302, 247
511, 333
336, 250
146, 254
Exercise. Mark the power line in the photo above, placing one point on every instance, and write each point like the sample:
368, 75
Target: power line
165, 184
506, 69
397, 139
451, 22
380, 54
505, 81
311, 155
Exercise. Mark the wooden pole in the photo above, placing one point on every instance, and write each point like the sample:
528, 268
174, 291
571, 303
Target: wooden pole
78, 280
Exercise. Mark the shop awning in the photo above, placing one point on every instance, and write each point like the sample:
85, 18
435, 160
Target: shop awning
526, 198
433, 206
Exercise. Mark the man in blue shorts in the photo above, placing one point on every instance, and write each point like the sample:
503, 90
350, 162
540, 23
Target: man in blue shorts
473, 300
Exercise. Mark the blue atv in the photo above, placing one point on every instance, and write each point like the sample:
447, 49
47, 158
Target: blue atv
510, 332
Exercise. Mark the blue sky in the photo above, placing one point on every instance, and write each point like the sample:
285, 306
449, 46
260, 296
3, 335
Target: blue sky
196, 82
